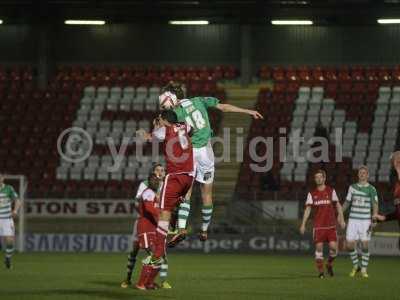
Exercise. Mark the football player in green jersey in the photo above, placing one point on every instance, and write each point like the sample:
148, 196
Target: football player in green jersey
9, 207
362, 198
194, 112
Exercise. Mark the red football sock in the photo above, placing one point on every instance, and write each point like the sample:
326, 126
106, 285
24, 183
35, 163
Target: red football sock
144, 275
152, 276
161, 236
320, 265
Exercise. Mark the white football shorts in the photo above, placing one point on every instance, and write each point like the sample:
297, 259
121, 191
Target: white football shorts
7, 227
204, 164
358, 230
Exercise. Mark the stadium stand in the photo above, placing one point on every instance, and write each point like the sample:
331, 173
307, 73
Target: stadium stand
363, 102
106, 102
115, 101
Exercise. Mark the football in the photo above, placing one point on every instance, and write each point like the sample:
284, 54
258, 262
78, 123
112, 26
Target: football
168, 100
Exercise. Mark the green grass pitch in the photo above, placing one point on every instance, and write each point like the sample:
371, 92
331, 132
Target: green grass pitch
195, 276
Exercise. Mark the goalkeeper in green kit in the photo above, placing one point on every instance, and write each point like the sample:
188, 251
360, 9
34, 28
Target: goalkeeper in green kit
194, 112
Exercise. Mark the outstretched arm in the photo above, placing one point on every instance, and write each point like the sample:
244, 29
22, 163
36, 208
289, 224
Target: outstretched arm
232, 108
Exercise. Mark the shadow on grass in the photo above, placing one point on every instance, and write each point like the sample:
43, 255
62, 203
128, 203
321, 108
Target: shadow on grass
289, 277
106, 283
97, 294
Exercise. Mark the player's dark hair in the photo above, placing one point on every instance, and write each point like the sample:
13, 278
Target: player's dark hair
170, 116
155, 166
154, 182
320, 171
175, 88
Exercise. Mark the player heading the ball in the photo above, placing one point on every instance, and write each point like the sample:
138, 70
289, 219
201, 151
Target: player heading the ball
194, 111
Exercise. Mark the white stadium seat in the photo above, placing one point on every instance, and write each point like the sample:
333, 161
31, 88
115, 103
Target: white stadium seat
89, 92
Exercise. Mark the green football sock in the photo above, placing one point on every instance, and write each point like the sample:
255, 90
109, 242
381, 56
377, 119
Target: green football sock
206, 213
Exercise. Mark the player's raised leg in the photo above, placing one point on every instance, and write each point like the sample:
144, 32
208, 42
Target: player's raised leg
204, 162
183, 215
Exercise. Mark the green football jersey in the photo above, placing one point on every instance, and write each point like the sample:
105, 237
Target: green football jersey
361, 199
7, 196
194, 112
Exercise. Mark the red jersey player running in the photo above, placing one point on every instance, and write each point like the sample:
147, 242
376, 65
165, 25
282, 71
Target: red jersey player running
178, 151
324, 201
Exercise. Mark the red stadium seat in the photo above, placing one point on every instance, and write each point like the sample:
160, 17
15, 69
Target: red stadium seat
35, 118
318, 75
265, 73
354, 89
291, 74
384, 75
330, 74
357, 73
278, 74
